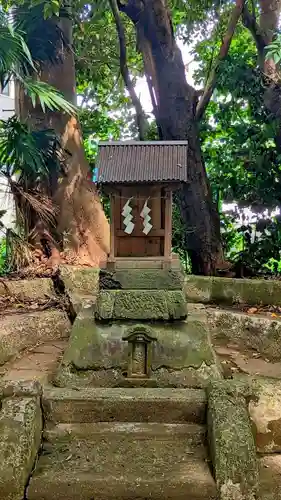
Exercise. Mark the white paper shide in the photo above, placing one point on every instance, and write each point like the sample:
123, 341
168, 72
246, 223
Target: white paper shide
147, 226
127, 214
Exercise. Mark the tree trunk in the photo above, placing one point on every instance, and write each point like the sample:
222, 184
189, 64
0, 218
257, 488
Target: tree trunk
81, 219
175, 115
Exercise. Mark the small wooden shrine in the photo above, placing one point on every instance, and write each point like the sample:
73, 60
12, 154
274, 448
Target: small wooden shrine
140, 178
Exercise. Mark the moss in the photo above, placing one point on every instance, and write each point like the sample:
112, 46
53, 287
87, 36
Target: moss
232, 443
20, 388
149, 279
182, 345
93, 346
19, 332
79, 280
20, 437
30, 289
232, 291
140, 305
176, 304
105, 305
253, 332
198, 289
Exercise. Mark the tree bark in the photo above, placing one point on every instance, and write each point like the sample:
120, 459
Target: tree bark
81, 220
176, 118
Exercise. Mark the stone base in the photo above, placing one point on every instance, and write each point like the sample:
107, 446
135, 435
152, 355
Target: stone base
140, 305
98, 356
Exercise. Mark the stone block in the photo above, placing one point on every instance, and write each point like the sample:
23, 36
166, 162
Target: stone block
265, 414
21, 331
94, 346
123, 405
149, 279
20, 438
232, 443
105, 305
176, 305
243, 330
80, 280
19, 388
207, 289
198, 289
140, 305
81, 284
35, 289
97, 355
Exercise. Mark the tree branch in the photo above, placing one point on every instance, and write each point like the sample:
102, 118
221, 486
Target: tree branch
140, 116
211, 82
249, 21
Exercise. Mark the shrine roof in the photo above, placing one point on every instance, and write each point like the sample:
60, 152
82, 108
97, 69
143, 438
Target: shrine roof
139, 162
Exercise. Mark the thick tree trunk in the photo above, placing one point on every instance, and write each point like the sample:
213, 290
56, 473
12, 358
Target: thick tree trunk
81, 220
175, 115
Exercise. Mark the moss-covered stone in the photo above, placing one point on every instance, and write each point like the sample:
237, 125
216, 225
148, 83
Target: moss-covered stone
35, 289
19, 388
149, 279
80, 280
246, 331
19, 332
181, 355
93, 346
232, 291
176, 305
81, 284
265, 414
181, 345
198, 289
140, 305
20, 438
105, 305
143, 305
232, 443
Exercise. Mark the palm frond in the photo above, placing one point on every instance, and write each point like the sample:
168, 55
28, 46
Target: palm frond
19, 152
48, 96
14, 54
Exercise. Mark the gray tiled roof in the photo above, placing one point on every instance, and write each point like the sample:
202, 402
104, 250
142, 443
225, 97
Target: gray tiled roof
137, 161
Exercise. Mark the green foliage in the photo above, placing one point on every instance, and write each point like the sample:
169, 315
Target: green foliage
273, 51
16, 63
24, 152
3, 256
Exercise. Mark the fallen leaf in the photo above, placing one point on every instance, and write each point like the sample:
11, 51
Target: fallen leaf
252, 310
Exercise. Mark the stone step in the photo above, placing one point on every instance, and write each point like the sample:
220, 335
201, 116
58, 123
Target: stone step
124, 405
123, 461
194, 434
270, 477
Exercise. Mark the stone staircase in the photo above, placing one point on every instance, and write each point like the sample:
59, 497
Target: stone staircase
125, 443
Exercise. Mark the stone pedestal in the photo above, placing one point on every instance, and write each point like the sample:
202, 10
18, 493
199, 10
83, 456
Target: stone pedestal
138, 334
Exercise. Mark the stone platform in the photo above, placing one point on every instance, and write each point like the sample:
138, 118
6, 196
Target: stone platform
138, 336
143, 410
